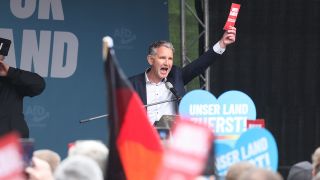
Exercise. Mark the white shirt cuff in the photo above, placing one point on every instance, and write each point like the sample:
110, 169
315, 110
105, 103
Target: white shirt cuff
218, 49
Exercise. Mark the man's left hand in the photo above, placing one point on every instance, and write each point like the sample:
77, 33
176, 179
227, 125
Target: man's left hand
4, 68
228, 37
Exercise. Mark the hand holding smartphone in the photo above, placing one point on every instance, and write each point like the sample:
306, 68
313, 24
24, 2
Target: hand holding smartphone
27, 150
164, 133
4, 46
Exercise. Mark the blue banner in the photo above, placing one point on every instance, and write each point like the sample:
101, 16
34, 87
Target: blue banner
61, 40
257, 146
227, 116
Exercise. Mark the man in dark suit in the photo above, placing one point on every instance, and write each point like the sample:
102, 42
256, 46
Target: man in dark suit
151, 84
15, 84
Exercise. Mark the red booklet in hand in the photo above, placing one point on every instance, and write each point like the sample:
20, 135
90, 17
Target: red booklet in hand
233, 14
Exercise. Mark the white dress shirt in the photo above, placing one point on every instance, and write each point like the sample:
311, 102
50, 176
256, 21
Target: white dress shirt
157, 92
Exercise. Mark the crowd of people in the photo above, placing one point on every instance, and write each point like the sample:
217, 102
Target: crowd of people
87, 160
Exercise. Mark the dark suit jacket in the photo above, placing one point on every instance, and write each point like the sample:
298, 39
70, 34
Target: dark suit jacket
177, 76
13, 88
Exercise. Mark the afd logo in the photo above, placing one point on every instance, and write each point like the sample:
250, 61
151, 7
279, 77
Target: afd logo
124, 37
37, 115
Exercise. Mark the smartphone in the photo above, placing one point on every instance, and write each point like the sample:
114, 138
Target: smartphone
164, 133
4, 46
27, 150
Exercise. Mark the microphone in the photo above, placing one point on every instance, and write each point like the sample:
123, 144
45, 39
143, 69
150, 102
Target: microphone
172, 89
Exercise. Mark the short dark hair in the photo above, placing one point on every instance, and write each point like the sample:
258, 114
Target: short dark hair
152, 48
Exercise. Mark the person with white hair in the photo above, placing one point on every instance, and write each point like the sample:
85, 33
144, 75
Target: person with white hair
78, 167
93, 149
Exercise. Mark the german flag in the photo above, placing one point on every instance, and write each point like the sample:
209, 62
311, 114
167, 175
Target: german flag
135, 147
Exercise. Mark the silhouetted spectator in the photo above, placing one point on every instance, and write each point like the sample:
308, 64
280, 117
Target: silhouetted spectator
300, 171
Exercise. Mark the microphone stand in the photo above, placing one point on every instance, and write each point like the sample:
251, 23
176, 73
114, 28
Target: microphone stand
93, 118
146, 105
161, 102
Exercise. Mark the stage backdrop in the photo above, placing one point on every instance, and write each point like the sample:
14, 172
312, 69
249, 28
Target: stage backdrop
61, 40
276, 61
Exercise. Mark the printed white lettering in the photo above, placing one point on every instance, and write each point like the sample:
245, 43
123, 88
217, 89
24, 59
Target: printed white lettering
235, 109
204, 109
262, 160
60, 68
56, 8
233, 13
227, 160
235, 9
34, 54
254, 148
23, 8
223, 124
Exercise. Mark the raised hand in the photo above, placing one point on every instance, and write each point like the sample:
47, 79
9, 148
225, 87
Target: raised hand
228, 37
4, 68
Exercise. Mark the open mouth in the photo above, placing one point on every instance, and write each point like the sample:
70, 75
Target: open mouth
164, 70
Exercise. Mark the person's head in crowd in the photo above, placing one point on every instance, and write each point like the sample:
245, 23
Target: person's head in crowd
237, 169
51, 157
78, 167
316, 161
316, 177
93, 149
260, 174
301, 170
40, 170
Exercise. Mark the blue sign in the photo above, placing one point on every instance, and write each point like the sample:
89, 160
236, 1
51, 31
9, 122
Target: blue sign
226, 116
256, 145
